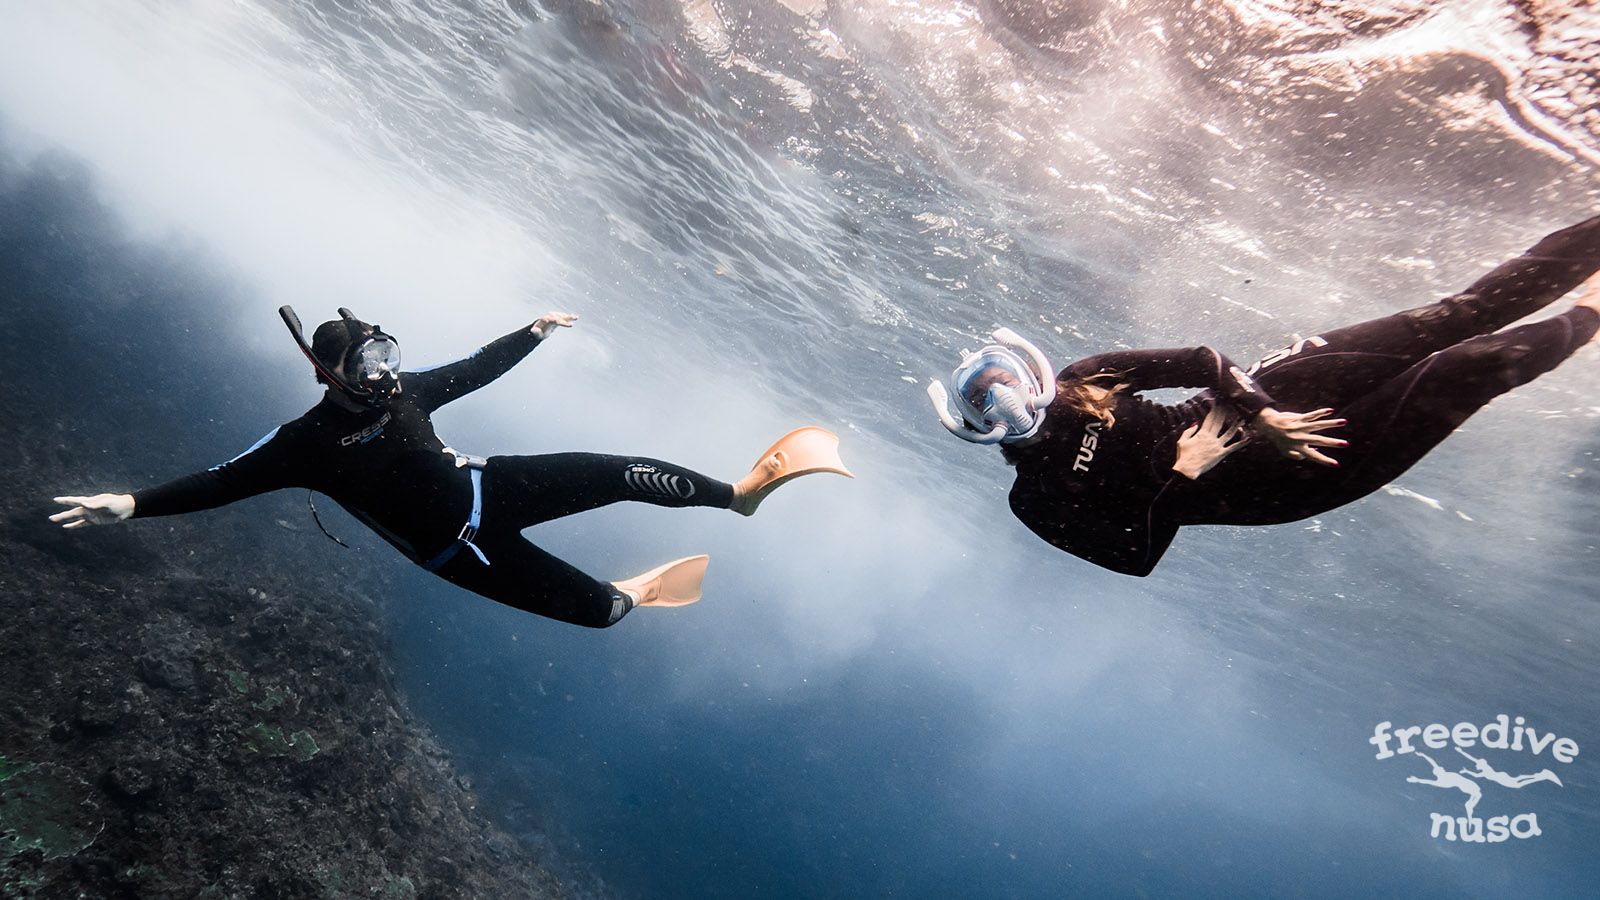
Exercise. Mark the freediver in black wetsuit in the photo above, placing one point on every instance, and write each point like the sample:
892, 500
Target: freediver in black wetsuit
370, 445
1110, 477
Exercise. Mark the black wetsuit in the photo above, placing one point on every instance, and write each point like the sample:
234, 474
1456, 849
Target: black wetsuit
388, 468
1404, 383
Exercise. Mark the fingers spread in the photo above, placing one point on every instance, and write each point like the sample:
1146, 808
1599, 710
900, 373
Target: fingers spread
1305, 433
1314, 456
1322, 424
1217, 421
77, 512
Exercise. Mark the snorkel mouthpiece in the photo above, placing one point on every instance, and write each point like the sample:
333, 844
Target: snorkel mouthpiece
1011, 406
1014, 404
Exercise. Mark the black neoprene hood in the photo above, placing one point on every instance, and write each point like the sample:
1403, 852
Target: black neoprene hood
333, 340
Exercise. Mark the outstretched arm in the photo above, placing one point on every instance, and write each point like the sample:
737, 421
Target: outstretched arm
268, 465
437, 386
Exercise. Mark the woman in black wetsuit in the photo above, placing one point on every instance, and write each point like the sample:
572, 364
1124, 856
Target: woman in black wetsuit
1111, 477
370, 445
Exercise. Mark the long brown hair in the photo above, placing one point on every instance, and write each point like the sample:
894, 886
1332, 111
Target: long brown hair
1094, 396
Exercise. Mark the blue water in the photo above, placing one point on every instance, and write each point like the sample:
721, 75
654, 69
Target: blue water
774, 213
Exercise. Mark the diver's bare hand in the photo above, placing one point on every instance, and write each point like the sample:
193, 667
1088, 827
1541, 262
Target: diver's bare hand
1297, 435
101, 509
545, 325
1590, 295
1209, 442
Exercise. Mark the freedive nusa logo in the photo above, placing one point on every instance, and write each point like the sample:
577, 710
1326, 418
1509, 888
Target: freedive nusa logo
1502, 733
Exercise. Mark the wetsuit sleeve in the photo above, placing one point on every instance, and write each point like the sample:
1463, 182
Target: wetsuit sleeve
1128, 539
1187, 367
435, 387
267, 466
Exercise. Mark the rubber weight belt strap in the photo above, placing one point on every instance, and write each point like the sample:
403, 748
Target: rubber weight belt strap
468, 531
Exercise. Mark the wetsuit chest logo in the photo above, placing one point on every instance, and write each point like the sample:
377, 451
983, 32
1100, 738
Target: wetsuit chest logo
1091, 442
367, 433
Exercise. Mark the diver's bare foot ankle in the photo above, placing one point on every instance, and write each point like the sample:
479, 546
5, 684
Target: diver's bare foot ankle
1589, 294
744, 489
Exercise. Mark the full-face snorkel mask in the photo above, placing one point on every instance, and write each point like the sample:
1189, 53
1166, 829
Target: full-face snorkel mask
371, 357
1007, 412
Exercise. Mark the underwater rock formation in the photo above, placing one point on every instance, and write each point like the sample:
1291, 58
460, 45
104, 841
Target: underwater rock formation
197, 737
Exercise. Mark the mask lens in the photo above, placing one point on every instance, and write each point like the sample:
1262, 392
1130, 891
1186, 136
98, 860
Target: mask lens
978, 385
377, 359
991, 403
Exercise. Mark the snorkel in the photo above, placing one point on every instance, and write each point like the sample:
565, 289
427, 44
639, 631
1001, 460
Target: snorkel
372, 355
1012, 412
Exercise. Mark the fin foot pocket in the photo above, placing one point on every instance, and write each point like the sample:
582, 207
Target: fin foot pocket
804, 451
675, 584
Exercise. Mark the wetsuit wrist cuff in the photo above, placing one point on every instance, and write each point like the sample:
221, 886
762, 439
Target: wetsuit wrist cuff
140, 504
1250, 407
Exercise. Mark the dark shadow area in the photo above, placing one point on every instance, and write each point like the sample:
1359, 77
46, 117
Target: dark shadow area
200, 706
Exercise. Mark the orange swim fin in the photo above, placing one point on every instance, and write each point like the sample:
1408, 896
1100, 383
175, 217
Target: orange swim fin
675, 584
803, 451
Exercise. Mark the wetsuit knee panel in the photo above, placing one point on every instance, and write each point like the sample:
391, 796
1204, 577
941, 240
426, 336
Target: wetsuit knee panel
1496, 363
1451, 319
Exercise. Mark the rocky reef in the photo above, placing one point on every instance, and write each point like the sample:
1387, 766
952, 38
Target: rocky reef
204, 737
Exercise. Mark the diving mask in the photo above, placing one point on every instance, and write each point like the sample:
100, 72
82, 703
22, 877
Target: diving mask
1011, 406
371, 363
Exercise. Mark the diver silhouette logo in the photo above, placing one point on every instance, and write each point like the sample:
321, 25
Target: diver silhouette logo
1446, 779
1501, 733
1487, 772
647, 479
